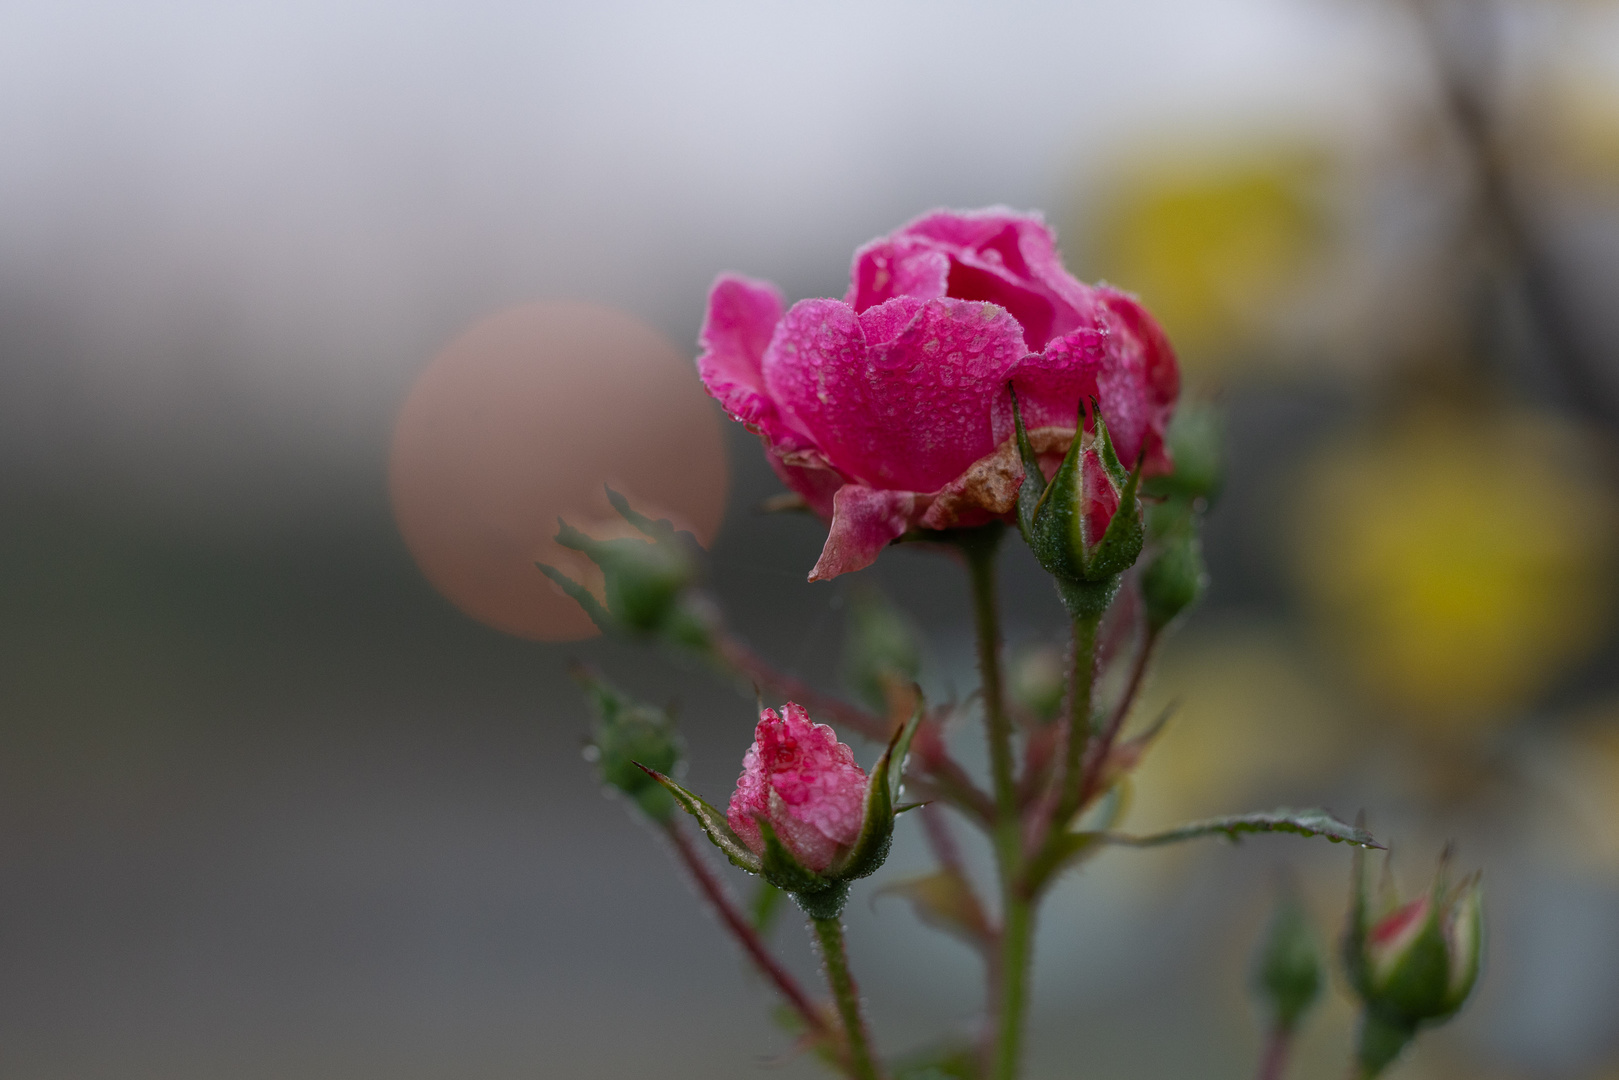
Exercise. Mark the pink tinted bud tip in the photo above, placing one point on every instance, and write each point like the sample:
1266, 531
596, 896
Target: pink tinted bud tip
805, 783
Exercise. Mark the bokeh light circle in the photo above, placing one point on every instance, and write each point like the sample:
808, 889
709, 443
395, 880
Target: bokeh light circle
524, 418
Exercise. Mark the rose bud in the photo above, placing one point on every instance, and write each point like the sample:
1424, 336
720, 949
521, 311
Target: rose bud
1175, 578
1287, 969
804, 815
1413, 964
887, 411
801, 781
1084, 525
646, 582
626, 732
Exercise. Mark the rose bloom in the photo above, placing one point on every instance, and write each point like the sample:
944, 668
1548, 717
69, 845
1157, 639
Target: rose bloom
888, 410
805, 783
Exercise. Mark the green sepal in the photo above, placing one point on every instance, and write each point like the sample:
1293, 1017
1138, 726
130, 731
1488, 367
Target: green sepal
1087, 599
781, 868
1121, 543
1051, 516
579, 595
870, 848
1302, 822
1033, 490
712, 822
662, 530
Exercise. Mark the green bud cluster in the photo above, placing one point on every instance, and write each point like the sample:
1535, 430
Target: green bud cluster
1175, 576
627, 734
647, 582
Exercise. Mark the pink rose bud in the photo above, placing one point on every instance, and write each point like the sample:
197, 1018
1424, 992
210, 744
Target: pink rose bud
1413, 964
888, 410
805, 783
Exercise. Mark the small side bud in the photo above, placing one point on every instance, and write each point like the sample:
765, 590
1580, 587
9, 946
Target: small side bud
626, 733
1194, 439
1175, 578
1287, 968
647, 583
1413, 963
881, 656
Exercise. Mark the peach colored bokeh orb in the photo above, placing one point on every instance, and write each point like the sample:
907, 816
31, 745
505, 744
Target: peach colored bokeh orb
522, 419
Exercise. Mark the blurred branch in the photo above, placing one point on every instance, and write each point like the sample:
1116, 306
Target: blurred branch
1462, 37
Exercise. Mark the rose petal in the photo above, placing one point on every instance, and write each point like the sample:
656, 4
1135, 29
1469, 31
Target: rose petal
742, 316
864, 521
901, 396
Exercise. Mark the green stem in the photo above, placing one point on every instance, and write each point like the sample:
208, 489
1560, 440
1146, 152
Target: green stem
1081, 683
829, 932
1017, 928
981, 548
1010, 968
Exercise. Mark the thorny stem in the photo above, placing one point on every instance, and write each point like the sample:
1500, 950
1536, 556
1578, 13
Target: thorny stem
1096, 757
1273, 1065
1081, 686
739, 926
1009, 970
829, 932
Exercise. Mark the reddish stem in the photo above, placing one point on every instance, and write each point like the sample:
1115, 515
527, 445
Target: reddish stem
744, 932
763, 674
1273, 1065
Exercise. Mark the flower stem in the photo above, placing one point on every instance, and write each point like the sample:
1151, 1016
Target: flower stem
1081, 683
829, 932
1273, 1065
739, 926
1096, 759
980, 548
1009, 971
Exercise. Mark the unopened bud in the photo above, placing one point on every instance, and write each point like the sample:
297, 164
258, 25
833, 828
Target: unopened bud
1194, 439
1175, 578
1287, 971
646, 582
1413, 963
880, 652
1085, 525
625, 733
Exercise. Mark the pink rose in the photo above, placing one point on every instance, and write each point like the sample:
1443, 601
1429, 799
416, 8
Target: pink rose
805, 783
888, 410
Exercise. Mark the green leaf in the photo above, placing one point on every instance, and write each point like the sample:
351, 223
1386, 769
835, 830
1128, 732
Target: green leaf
1302, 822
944, 901
713, 823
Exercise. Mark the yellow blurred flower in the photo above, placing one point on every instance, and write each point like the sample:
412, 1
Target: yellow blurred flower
1457, 562
1216, 245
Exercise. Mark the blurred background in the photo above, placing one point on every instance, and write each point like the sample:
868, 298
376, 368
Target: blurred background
272, 806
